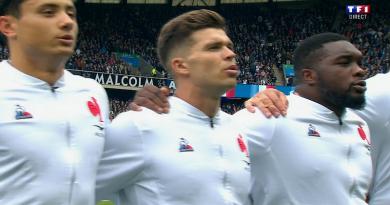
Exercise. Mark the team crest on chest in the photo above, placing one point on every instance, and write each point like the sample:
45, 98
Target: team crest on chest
312, 131
184, 145
94, 108
21, 113
242, 145
363, 135
244, 150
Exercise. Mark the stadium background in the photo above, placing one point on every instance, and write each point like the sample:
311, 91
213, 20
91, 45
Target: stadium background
117, 40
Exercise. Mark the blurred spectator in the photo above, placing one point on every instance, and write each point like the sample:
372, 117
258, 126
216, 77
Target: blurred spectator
264, 37
231, 106
117, 106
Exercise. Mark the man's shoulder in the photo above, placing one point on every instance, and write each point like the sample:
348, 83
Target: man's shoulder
377, 99
225, 116
351, 116
376, 86
79, 79
379, 78
141, 117
254, 121
5, 72
80, 82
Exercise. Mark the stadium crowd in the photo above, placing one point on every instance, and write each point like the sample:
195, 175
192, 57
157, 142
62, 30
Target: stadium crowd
372, 38
117, 106
264, 38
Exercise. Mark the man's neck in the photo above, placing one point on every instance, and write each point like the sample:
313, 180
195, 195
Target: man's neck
204, 101
45, 69
315, 96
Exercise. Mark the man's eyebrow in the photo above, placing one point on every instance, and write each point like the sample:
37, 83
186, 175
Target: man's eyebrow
219, 43
349, 56
52, 5
344, 56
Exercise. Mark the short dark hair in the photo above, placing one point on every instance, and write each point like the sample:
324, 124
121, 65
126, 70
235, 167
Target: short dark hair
177, 31
10, 7
305, 54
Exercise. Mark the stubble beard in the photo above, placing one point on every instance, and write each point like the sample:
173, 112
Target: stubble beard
343, 100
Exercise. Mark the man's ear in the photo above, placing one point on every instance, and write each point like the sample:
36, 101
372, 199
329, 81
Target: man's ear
309, 76
179, 66
8, 26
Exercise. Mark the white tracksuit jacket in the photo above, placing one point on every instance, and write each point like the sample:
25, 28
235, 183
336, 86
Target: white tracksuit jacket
377, 115
180, 158
310, 157
51, 138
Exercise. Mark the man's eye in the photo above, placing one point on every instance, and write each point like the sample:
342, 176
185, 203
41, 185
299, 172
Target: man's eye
214, 47
48, 12
344, 63
71, 14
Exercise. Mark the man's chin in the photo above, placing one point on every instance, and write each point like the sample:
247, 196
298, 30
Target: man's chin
65, 52
226, 87
356, 102
231, 84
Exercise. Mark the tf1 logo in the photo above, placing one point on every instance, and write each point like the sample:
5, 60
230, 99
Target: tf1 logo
358, 11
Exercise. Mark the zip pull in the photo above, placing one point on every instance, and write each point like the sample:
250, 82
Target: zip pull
53, 89
211, 123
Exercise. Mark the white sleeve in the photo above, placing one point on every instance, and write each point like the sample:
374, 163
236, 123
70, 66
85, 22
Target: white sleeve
256, 128
377, 115
105, 105
258, 131
123, 156
377, 100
